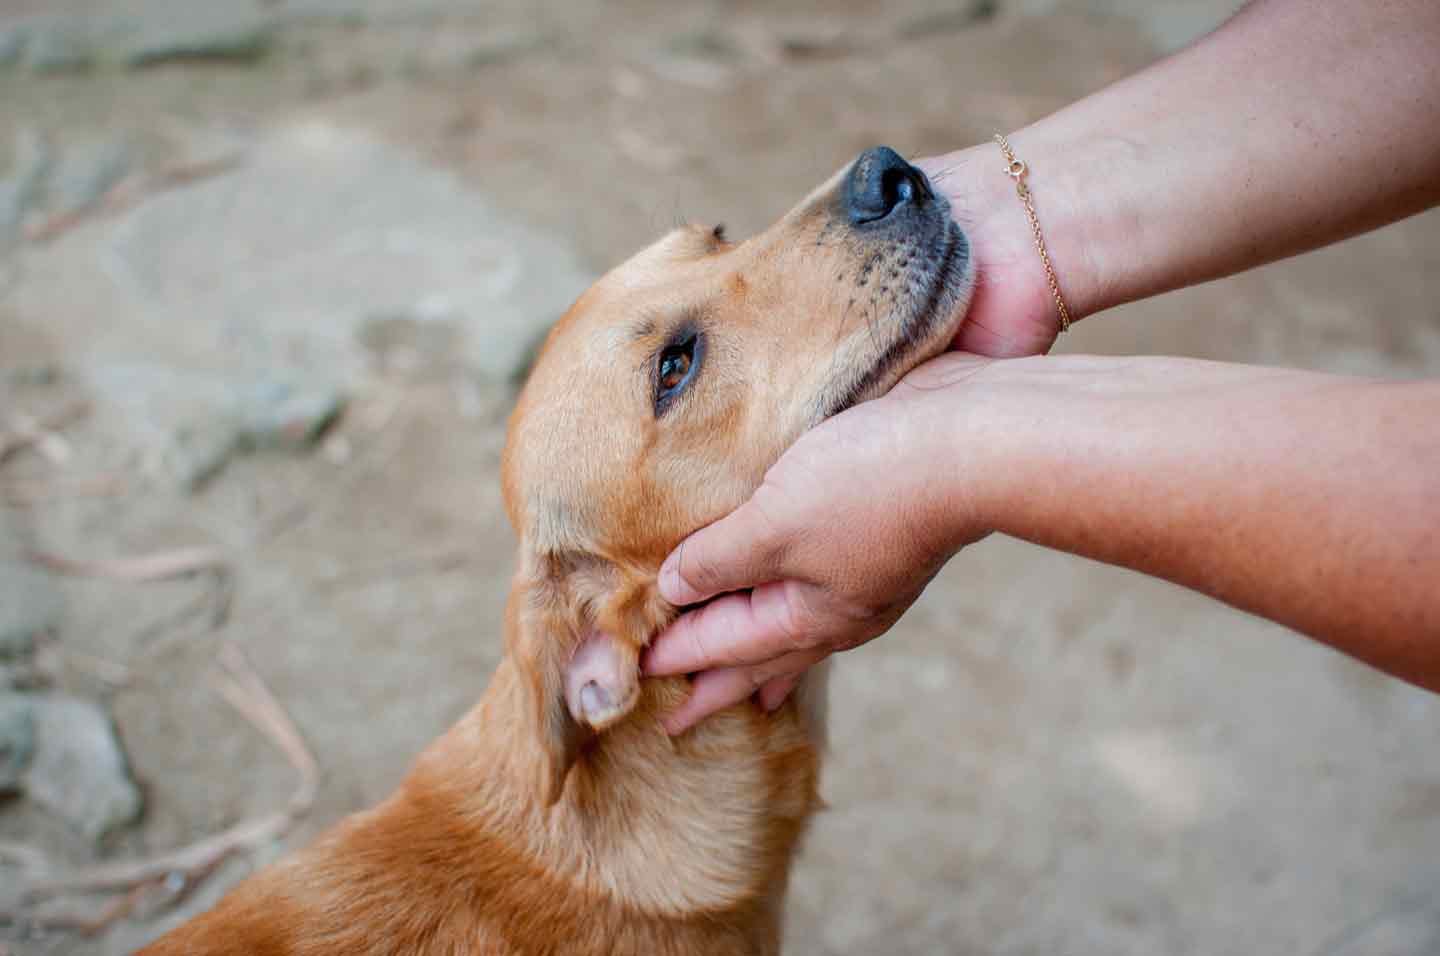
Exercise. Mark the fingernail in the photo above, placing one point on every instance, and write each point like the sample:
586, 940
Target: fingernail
671, 587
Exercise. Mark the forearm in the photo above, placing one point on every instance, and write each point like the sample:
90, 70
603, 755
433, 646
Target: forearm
1308, 499
1294, 125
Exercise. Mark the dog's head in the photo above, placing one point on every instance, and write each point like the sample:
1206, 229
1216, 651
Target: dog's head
664, 394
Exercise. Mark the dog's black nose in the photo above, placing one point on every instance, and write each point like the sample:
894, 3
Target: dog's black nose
881, 182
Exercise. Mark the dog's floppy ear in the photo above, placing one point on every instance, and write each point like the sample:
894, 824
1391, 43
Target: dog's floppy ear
576, 626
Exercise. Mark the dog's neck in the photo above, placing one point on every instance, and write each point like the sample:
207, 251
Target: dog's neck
705, 823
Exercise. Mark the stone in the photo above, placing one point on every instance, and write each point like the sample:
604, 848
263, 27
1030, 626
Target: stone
30, 606
285, 416
323, 230
59, 46
188, 424
17, 738
196, 32
78, 770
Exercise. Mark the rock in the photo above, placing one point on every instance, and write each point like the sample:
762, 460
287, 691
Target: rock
85, 174
323, 230
17, 738
30, 606
188, 424
78, 770
59, 46
287, 417
196, 32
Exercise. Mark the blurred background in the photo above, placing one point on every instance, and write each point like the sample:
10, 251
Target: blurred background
268, 274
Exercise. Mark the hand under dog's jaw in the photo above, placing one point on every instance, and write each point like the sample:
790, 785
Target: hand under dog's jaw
938, 284
673, 383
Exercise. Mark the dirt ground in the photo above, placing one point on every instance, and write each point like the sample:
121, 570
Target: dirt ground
1046, 756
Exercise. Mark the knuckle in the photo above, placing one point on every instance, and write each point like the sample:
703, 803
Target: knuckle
796, 620
768, 526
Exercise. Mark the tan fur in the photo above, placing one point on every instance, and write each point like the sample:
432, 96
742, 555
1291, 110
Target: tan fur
521, 831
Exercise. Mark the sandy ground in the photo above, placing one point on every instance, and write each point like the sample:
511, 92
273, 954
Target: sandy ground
1046, 756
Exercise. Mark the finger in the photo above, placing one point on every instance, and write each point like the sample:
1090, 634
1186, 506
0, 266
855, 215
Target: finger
738, 551
744, 628
710, 692
714, 691
773, 694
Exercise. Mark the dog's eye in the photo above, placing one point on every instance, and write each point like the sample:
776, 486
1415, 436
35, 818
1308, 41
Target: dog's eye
675, 368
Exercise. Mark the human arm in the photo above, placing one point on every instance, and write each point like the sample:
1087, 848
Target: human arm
1294, 125
1310, 499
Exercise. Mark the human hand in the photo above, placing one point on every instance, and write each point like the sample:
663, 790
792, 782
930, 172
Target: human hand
1011, 314
838, 541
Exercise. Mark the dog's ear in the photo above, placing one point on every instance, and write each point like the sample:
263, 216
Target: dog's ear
576, 627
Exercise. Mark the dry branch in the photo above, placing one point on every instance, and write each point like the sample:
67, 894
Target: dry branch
129, 192
184, 867
160, 566
26, 431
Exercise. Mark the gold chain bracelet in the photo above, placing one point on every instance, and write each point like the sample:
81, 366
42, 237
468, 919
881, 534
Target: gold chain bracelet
1016, 170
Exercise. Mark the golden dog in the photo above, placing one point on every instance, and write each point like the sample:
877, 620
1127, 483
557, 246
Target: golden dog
557, 817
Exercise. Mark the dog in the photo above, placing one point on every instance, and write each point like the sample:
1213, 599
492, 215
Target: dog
558, 817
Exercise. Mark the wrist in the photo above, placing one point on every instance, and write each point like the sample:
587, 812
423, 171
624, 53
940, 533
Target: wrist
1091, 232
977, 432
1089, 235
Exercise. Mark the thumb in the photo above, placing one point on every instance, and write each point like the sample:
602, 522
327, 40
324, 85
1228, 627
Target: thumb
741, 550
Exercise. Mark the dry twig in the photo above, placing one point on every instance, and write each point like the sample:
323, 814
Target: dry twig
26, 431
182, 868
160, 566
26, 493
129, 192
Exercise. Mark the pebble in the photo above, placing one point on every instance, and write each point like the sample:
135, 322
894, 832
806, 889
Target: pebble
196, 32
284, 416
78, 770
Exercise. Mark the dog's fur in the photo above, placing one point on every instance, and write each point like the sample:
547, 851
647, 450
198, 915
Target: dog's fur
524, 830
